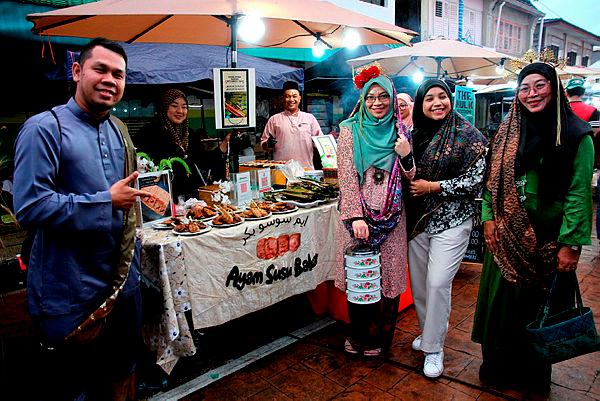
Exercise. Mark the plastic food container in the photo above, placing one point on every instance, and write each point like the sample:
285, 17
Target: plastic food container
316, 175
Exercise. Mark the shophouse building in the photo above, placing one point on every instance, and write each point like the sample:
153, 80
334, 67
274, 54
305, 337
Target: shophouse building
567, 41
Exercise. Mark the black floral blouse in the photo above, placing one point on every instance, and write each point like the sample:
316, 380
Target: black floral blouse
459, 199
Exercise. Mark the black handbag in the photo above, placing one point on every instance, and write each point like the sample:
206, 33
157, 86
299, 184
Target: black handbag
564, 335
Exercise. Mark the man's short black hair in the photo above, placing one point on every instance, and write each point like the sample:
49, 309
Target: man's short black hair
577, 91
86, 52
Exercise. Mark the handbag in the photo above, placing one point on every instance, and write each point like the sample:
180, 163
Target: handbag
564, 335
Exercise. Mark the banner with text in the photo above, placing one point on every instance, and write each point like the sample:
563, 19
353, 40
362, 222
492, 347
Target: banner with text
259, 263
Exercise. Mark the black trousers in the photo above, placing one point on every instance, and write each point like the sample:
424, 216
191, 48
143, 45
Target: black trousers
70, 371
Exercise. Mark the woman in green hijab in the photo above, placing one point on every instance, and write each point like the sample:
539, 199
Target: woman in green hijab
373, 157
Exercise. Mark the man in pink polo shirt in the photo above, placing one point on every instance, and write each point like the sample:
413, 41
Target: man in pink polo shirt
290, 131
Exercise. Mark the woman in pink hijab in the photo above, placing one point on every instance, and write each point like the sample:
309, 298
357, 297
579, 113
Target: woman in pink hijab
405, 104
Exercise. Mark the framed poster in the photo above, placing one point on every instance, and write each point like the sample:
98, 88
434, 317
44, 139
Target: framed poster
327, 148
160, 206
235, 97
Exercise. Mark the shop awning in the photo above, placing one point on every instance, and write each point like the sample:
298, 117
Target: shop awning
162, 63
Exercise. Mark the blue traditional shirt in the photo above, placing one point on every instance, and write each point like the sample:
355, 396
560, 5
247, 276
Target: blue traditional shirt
61, 190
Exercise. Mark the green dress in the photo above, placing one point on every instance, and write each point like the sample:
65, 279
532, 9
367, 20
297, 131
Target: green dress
504, 309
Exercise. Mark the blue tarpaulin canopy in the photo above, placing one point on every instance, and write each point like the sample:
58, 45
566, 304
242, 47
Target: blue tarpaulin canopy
159, 63
164, 63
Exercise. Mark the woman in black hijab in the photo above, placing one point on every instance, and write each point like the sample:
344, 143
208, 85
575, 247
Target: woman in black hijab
537, 211
449, 154
168, 135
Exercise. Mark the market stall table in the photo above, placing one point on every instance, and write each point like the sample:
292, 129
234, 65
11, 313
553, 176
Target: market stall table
229, 272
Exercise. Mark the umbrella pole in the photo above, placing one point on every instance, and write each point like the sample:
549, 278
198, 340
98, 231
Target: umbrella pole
233, 22
438, 61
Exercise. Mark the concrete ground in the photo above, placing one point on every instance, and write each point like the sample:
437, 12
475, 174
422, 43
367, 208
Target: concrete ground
316, 368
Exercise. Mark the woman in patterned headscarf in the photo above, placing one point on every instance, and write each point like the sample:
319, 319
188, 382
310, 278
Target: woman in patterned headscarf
374, 155
537, 212
449, 154
405, 104
169, 136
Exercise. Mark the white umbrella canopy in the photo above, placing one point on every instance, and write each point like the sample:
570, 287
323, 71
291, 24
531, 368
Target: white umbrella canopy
568, 72
288, 23
437, 57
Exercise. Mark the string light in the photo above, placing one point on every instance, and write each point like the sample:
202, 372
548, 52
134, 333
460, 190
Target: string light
251, 28
418, 76
351, 38
319, 47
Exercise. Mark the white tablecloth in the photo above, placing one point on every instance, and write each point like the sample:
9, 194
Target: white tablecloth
229, 272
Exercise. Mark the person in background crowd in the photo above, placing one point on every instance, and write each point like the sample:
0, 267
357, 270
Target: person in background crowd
575, 91
406, 104
373, 157
290, 132
74, 172
537, 209
168, 136
450, 158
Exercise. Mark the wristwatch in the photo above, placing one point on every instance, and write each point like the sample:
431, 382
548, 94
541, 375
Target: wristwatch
576, 248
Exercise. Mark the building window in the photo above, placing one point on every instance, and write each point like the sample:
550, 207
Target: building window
585, 61
554, 49
439, 8
376, 2
571, 58
445, 22
510, 37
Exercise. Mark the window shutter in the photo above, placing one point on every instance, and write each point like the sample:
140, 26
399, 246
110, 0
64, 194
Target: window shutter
438, 19
453, 21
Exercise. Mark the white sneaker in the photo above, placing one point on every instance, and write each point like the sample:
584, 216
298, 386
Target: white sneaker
434, 364
416, 344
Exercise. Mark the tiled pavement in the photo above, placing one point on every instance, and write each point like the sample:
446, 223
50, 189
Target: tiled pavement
316, 368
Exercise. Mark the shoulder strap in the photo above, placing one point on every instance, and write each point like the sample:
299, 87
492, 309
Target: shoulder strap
60, 132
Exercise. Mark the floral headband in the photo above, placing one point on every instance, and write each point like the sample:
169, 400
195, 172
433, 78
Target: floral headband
365, 75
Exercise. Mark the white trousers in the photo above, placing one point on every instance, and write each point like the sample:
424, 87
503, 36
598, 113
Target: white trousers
433, 260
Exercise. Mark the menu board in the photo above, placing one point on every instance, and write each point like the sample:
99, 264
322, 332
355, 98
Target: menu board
235, 97
327, 148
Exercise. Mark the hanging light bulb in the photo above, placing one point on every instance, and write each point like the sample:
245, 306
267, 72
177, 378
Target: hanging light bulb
500, 68
251, 28
319, 47
351, 38
418, 77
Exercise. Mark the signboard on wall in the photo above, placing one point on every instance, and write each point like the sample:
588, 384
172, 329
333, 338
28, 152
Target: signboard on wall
235, 97
464, 103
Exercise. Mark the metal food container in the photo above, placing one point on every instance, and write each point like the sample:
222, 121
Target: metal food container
363, 274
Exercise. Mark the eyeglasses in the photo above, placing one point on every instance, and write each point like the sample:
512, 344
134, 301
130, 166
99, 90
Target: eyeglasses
403, 105
539, 86
384, 97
